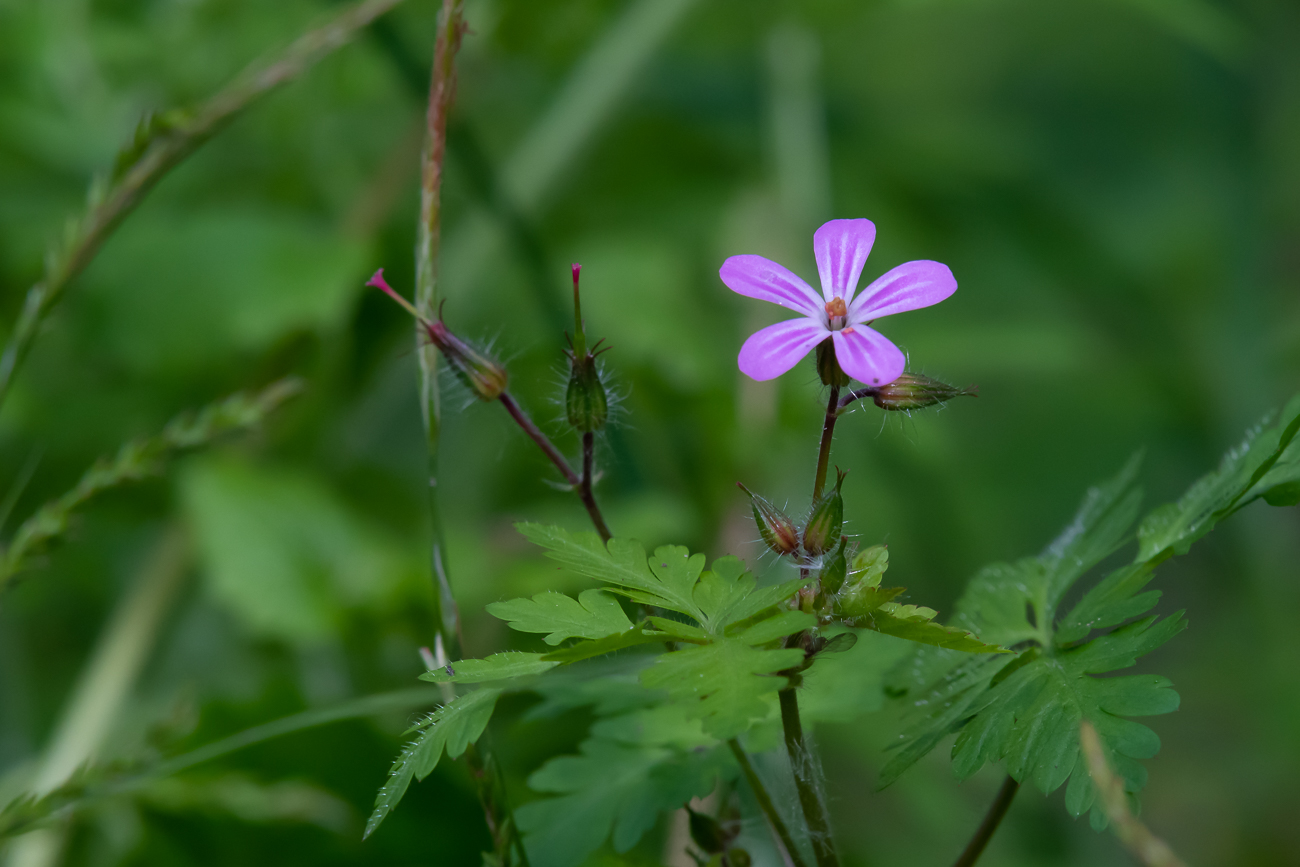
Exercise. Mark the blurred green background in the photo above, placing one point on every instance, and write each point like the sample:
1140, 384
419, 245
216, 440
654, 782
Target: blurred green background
1115, 184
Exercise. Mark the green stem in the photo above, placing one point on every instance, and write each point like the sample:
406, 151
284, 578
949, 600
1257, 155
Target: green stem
167, 150
1001, 803
442, 87
765, 804
805, 781
828, 433
104, 686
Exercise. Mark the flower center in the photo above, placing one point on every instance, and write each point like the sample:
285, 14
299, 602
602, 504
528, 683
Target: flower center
835, 313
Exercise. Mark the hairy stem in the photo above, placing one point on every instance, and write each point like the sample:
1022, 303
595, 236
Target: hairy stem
992, 819
167, 148
856, 395
581, 484
442, 87
828, 433
584, 489
765, 804
805, 782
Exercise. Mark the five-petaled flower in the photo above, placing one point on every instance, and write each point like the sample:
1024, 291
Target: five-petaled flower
841, 248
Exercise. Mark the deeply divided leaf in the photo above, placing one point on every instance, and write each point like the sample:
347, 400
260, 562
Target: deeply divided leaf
450, 729
723, 683
594, 614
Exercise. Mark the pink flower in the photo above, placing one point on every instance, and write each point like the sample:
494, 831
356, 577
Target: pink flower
841, 248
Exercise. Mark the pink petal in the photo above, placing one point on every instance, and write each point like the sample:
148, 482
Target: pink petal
867, 355
756, 277
771, 352
910, 286
841, 247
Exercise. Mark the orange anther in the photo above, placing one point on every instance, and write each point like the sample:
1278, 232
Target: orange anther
836, 307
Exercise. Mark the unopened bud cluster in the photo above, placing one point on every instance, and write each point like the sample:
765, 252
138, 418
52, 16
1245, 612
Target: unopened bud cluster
819, 535
585, 400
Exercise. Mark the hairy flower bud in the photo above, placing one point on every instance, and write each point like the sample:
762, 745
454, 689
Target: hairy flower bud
778, 531
481, 375
585, 400
823, 529
828, 368
914, 391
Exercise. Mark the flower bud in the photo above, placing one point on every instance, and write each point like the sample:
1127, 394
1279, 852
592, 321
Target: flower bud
585, 400
828, 368
835, 569
481, 375
823, 529
914, 391
778, 531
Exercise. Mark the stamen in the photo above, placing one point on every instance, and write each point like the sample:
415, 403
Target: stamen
836, 307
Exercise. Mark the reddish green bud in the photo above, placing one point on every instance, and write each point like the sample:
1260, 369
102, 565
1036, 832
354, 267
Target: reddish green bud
481, 375
914, 391
778, 531
828, 367
823, 529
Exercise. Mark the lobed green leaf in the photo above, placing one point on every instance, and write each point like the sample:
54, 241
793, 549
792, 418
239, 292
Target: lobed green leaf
594, 614
450, 729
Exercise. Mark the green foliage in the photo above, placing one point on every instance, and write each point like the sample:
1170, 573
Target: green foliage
594, 614
1026, 712
1265, 466
498, 666
639, 761
450, 729
863, 603
137, 459
722, 683
283, 552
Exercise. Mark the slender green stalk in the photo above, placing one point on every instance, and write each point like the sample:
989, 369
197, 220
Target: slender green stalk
774, 820
104, 686
993, 818
828, 434
805, 781
161, 143
801, 764
451, 28
1145, 846
24, 814
137, 459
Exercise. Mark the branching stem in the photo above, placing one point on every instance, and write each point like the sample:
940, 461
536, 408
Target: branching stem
580, 484
765, 804
856, 395
990, 824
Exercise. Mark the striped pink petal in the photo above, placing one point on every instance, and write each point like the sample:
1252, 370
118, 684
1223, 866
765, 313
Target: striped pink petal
910, 286
841, 248
756, 277
772, 351
868, 356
